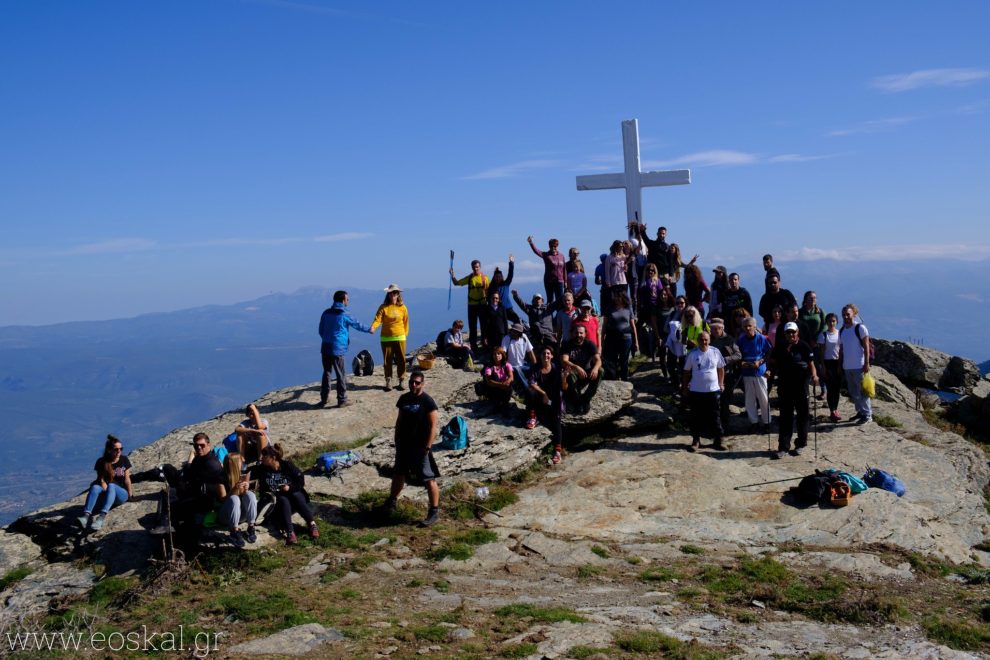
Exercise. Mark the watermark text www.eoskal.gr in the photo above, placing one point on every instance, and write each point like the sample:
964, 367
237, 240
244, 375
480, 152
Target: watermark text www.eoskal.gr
201, 644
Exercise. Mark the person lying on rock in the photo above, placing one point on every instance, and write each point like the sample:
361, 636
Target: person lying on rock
112, 484
581, 365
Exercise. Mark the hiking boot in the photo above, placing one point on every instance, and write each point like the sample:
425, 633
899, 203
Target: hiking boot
856, 417
834, 416
695, 446
83, 520
777, 455
388, 384
343, 403
98, 522
236, 539
556, 457
432, 517
531, 422
251, 535
797, 451
291, 539
314, 531
718, 446
864, 420
399, 386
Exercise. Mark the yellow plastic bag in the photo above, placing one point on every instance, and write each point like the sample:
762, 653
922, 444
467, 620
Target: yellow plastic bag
869, 386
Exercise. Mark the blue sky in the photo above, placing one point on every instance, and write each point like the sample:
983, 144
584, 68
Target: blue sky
160, 155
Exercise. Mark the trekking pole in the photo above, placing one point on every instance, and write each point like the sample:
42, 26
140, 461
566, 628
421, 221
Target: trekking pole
765, 483
769, 411
450, 285
814, 393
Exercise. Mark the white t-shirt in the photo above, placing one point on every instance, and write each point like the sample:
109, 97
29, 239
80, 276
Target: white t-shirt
852, 347
704, 366
516, 351
830, 343
674, 343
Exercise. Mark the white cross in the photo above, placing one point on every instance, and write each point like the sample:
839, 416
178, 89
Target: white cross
632, 179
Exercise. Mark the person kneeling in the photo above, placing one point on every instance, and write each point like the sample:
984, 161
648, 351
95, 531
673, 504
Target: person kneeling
581, 366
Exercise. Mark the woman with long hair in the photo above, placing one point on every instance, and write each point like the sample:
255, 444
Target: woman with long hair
393, 316
501, 284
238, 502
692, 325
650, 298
282, 478
112, 484
546, 386
696, 290
577, 281
675, 265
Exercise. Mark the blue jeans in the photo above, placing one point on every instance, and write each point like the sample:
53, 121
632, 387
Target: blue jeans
854, 383
113, 493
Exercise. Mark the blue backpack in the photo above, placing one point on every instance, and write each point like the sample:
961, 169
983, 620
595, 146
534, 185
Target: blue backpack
334, 462
454, 435
880, 479
230, 443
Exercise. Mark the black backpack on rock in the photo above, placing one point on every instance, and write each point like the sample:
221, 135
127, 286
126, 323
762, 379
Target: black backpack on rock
363, 364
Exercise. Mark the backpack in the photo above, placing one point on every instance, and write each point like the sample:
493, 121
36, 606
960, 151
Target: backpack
230, 444
879, 479
363, 364
333, 463
813, 489
442, 342
454, 434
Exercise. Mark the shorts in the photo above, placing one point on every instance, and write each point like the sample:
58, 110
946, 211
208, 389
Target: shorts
417, 468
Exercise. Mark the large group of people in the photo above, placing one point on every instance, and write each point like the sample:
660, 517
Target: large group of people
552, 353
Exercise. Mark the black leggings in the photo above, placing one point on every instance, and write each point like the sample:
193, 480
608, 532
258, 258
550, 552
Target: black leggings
833, 381
286, 503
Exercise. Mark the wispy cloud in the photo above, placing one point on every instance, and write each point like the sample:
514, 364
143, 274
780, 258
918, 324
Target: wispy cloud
727, 157
133, 245
971, 297
515, 169
903, 82
965, 252
873, 126
974, 108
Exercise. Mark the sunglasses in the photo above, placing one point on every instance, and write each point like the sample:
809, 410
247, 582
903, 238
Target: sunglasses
200, 446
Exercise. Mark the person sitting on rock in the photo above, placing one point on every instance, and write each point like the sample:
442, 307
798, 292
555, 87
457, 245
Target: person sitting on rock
794, 363
581, 365
543, 403
252, 435
497, 379
458, 353
540, 319
239, 502
199, 486
520, 354
704, 381
282, 478
112, 484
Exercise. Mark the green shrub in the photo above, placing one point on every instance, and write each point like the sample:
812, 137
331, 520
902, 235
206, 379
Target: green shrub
107, 590
600, 551
659, 574
957, 634
692, 550
518, 650
886, 421
538, 613
589, 570
14, 576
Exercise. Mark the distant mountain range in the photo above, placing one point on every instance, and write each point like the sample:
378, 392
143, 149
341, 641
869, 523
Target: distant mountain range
64, 387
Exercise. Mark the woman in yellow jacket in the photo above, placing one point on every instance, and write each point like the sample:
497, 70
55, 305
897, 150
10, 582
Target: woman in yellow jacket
393, 316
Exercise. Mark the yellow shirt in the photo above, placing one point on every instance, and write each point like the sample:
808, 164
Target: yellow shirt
394, 320
477, 287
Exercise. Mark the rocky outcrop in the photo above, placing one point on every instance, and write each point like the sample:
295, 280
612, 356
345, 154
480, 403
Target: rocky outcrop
919, 366
973, 410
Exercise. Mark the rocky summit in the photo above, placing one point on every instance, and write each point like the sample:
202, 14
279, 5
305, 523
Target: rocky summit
632, 545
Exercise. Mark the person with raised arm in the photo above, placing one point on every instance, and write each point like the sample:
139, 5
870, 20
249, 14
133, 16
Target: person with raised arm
477, 297
554, 277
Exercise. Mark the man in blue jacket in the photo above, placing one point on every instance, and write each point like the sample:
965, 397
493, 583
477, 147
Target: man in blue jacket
335, 325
